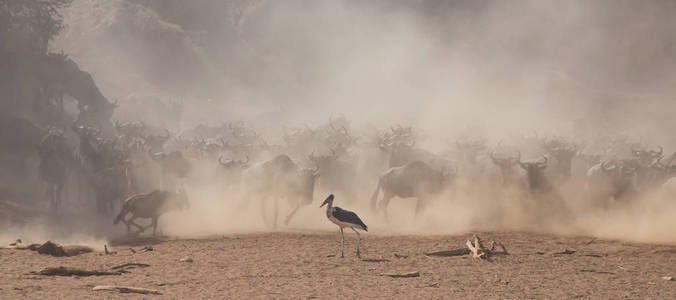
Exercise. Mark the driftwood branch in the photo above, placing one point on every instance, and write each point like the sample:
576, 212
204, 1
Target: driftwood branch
402, 275
126, 289
454, 252
476, 248
131, 264
64, 271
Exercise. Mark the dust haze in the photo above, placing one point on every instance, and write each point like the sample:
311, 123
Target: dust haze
507, 75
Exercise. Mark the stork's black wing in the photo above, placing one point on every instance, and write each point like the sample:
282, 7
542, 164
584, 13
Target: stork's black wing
348, 217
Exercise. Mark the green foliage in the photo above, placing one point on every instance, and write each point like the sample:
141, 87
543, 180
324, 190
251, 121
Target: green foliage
27, 26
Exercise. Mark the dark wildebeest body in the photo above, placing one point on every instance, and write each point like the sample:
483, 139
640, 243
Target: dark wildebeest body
56, 159
54, 172
279, 178
111, 185
413, 180
151, 206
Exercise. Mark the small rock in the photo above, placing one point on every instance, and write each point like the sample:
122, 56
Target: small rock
186, 259
668, 278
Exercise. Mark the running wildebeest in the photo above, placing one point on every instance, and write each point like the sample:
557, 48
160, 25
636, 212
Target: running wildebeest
279, 178
151, 206
413, 180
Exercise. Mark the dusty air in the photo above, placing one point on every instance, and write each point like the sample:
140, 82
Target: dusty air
337, 149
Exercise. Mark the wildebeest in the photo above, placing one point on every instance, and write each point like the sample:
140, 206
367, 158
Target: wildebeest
416, 179
279, 178
537, 180
339, 176
173, 164
610, 179
644, 163
232, 170
508, 171
562, 153
110, 185
56, 160
151, 206
399, 143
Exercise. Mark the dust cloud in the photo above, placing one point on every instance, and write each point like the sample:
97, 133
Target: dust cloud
504, 73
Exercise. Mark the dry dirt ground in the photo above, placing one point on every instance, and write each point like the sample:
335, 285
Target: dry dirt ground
302, 265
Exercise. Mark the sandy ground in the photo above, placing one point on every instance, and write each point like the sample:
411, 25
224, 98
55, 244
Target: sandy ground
282, 265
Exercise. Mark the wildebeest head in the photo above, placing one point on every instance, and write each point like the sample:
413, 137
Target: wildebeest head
130, 129
322, 162
396, 138
172, 162
470, 149
505, 162
621, 173
232, 164
646, 157
534, 172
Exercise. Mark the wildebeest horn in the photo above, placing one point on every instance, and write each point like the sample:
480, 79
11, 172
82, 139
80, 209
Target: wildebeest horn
656, 153
543, 164
605, 167
220, 160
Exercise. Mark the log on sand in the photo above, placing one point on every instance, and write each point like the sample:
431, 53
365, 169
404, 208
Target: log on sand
402, 275
52, 249
126, 289
64, 271
475, 248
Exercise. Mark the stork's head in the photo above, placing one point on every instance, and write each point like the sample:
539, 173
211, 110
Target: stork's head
329, 201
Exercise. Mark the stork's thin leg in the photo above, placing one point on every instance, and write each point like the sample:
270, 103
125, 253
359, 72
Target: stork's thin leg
342, 243
358, 237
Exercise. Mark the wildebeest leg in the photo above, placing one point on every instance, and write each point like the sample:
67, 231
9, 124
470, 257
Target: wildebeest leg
154, 223
264, 209
288, 218
140, 228
419, 206
275, 211
385, 202
127, 224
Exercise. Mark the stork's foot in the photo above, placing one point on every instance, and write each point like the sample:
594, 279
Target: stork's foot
358, 254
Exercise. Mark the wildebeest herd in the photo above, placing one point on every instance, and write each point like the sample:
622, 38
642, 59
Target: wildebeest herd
139, 162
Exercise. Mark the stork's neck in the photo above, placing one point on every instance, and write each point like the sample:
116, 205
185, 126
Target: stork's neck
329, 208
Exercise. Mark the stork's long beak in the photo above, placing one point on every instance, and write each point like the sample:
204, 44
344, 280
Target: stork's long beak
328, 199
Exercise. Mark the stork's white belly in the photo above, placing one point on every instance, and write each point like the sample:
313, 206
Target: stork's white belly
342, 224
